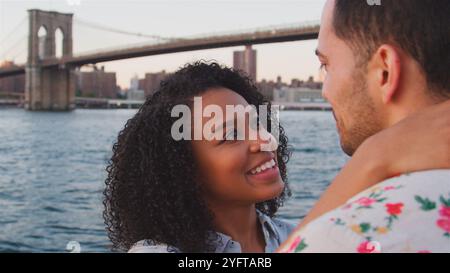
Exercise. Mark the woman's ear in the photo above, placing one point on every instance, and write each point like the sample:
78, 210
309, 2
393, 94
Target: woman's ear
387, 67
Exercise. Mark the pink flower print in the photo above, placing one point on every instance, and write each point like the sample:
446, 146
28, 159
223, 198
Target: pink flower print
367, 247
444, 223
394, 209
347, 206
297, 246
294, 244
365, 201
445, 211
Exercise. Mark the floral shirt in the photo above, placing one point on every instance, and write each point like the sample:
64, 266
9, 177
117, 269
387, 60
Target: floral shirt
408, 213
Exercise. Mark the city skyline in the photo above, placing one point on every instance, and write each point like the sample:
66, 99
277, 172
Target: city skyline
290, 60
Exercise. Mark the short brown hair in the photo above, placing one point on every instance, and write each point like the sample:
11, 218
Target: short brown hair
421, 28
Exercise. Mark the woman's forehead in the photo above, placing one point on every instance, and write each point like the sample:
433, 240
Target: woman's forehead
222, 97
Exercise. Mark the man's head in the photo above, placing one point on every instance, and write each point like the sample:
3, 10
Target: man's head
383, 62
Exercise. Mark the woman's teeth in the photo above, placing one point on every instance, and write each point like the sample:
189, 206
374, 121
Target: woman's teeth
264, 166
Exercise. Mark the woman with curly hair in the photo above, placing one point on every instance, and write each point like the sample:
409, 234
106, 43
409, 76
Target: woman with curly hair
221, 195
195, 196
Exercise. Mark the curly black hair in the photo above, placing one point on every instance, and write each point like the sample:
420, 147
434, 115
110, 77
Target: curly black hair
152, 190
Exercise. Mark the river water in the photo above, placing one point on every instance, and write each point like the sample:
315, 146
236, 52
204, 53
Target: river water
52, 170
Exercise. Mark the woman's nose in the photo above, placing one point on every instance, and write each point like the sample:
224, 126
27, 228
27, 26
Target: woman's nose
264, 142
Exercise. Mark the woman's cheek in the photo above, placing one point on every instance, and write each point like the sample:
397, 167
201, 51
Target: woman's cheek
237, 158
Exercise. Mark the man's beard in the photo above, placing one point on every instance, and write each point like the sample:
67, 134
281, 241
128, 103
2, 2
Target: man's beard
362, 112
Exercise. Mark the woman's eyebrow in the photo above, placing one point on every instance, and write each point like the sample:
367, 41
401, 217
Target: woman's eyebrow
225, 125
220, 128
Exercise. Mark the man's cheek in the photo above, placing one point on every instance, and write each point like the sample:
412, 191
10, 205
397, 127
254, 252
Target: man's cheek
326, 93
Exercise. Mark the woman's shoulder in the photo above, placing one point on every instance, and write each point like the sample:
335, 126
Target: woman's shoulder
147, 246
283, 227
280, 227
288, 226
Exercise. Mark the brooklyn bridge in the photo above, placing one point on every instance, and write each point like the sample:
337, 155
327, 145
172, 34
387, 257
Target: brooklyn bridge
50, 79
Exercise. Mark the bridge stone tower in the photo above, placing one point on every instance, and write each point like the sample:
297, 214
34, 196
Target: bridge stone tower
49, 88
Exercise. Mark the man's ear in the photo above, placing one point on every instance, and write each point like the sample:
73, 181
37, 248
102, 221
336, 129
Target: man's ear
387, 67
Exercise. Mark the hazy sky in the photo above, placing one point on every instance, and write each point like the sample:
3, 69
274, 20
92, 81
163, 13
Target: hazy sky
172, 18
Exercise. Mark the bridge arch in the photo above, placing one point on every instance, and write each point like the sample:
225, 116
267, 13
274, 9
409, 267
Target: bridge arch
59, 42
42, 40
58, 39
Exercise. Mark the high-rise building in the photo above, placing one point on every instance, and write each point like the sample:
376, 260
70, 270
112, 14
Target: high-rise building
266, 88
134, 83
150, 83
97, 84
246, 61
134, 93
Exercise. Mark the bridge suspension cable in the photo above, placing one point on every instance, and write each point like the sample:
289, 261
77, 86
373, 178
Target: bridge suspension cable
24, 19
15, 46
19, 54
118, 31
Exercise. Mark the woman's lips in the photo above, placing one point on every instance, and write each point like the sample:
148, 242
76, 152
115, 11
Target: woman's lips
267, 175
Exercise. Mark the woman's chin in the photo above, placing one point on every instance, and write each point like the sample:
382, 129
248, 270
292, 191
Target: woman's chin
271, 191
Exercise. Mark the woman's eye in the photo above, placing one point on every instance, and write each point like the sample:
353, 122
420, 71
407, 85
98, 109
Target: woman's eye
231, 135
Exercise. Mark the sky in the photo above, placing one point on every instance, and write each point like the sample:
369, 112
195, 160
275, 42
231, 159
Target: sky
172, 18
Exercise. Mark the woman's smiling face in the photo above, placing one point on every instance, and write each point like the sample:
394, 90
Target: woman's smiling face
235, 170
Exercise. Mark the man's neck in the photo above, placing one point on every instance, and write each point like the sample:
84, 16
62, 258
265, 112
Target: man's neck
411, 107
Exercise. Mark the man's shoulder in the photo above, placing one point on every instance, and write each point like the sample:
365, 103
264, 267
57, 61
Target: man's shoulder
408, 213
420, 180
403, 188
